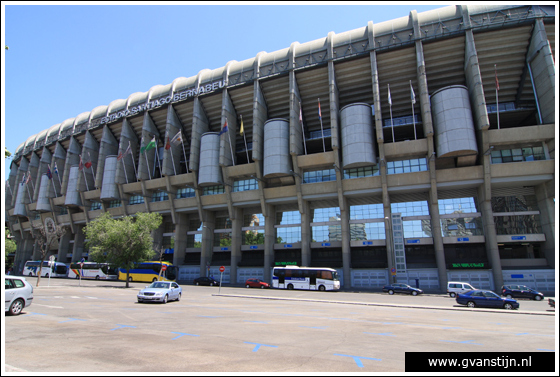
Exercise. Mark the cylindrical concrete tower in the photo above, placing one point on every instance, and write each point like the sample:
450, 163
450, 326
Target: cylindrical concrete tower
72, 193
358, 148
109, 189
45, 192
210, 173
453, 122
277, 160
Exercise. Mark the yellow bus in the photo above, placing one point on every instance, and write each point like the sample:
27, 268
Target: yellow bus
150, 271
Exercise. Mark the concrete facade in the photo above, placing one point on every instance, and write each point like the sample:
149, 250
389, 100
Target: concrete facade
471, 177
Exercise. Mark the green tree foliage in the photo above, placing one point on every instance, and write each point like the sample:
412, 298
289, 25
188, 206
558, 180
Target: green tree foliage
122, 242
9, 246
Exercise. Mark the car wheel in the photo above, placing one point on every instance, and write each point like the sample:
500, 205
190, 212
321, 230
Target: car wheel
247, 286
321, 288
508, 306
471, 304
179, 297
391, 292
538, 298
165, 299
140, 301
414, 293
452, 295
130, 279
290, 286
196, 283
16, 307
77, 276
509, 296
154, 279
97, 277
30, 274
262, 286
211, 284
47, 275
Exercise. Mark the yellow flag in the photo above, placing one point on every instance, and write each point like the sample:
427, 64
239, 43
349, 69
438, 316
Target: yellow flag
241, 128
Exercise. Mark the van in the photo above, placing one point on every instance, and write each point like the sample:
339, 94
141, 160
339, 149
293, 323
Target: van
456, 287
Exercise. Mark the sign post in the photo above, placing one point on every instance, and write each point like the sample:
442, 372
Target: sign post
222, 269
163, 268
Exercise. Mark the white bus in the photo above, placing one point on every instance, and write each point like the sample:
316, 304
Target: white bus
310, 278
93, 270
57, 270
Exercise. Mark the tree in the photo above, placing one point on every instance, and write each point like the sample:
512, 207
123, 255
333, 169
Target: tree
122, 242
48, 233
9, 246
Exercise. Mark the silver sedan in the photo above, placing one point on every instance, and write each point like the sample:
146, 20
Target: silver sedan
160, 291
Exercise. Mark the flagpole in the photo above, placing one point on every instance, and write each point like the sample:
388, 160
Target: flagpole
171, 152
26, 185
413, 101
91, 166
244, 138
497, 103
85, 179
11, 192
230, 147
184, 153
124, 168
58, 176
147, 163
302, 130
321, 119
158, 160
391, 112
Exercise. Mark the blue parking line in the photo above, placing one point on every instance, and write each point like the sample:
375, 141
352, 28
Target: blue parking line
544, 349
181, 334
209, 316
122, 326
265, 322
258, 345
315, 327
358, 359
32, 313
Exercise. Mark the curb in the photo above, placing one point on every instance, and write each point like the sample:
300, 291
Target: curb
462, 308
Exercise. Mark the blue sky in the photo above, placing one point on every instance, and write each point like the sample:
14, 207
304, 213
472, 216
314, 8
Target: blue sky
64, 60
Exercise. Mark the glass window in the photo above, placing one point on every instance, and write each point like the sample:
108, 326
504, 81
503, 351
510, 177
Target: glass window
245, 185
407, 166
255, 219
95, 206
115, 203
519, 203
367, 171
213, 190
289, 217
222, 239
288, 235
417, 228
326, 214
319, 176
367, 231
457, 205
159, 196
411, 208
136, 199
186, 192
194, 240
223, 223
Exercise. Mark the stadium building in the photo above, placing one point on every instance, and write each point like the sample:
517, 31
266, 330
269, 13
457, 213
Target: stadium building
417, 149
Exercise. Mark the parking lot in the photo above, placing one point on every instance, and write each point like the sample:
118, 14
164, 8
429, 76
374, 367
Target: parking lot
99, 327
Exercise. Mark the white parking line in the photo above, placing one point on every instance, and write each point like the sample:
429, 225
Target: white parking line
48, 306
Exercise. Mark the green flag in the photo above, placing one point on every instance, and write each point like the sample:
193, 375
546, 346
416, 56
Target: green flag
151, 145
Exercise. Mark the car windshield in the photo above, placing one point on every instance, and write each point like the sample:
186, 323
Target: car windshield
158, 284
490, 294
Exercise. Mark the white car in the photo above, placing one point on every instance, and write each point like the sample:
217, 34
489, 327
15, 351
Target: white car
18, 294
161, 291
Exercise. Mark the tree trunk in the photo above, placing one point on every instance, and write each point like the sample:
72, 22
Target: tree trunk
127, 276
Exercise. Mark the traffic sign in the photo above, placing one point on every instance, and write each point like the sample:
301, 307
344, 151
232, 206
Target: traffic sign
393, 271
222, 268
164, 267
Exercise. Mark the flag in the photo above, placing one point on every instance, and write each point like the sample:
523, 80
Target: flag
49, 174
128, 150
241, 128
28, 178
88, 164
319, 108
300, 114
150, 145
81, 165
168, 144
120, 156
496, 75
55, 169
412, 96
23, 179
177, 138
389, 95
224, 128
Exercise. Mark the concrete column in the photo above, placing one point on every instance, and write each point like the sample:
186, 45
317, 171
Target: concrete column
20, 171
474, 83
25, 252
109, 146
236, 241
79, 238
436, 233
64, 245
72, 159
36, 254
181, 228
485, 202
545, 198
306, 219
345, 230
46, 158
208, 226
269, 241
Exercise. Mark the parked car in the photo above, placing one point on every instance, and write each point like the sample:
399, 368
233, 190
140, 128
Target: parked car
521, 291
256, 283
456, 287
485, 299
203, 280
552, 303
402, 288
161, 291
17, 295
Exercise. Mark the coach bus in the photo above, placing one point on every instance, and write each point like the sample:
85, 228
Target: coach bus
56, 270
310, 278
150, 271
93, 270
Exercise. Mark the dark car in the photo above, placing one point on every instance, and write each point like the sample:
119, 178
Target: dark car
256, 283
485, 299
521, 291
203, 280
402, 288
